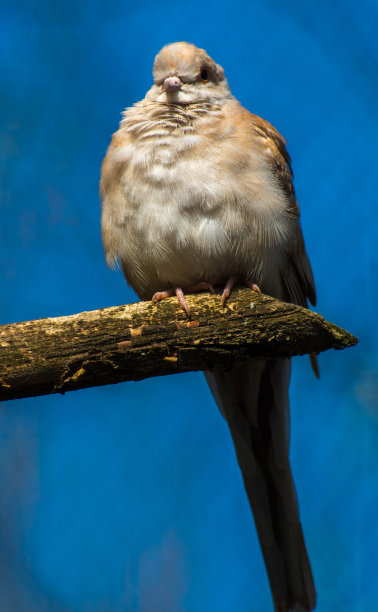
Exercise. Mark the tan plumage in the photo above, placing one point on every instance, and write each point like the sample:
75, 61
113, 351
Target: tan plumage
197, 189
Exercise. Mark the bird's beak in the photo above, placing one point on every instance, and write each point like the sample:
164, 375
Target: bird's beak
171, 83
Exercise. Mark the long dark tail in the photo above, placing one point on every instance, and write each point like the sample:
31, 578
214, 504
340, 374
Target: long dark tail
254, 399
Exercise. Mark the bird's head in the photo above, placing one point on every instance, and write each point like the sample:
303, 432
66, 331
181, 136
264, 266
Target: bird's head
184, 74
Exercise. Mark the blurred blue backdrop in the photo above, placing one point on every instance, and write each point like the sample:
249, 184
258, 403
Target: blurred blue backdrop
128, 497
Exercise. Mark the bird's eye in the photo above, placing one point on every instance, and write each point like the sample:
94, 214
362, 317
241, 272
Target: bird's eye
204, 74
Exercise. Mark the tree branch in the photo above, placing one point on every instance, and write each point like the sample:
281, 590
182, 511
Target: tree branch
140, 340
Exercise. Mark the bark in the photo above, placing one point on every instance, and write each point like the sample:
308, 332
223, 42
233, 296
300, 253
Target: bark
146, 339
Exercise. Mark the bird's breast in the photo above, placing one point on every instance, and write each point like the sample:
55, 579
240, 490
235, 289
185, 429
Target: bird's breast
199, 207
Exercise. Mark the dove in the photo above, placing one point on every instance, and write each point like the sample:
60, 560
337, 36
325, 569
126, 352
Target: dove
198, 192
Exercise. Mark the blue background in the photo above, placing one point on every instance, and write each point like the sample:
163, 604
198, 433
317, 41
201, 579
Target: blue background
128, 497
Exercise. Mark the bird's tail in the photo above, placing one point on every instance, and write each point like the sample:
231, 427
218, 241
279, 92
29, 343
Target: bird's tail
254, 400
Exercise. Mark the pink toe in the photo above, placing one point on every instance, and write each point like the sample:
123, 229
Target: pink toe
253, 286
181, 298
227, 290
162, 295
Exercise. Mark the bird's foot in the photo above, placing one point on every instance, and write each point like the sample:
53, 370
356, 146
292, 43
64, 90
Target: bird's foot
202, 286
230, 284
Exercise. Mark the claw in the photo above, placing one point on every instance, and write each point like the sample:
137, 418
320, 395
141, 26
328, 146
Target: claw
181, 298
162, 295
230, 284
253, 286
227, 290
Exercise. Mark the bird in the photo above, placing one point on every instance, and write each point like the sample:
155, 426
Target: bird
197, 193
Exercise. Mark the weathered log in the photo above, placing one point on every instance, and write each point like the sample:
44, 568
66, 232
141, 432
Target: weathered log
136, 341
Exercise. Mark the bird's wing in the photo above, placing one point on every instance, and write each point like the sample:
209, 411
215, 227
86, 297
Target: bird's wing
119, 239
296, 270
114, 205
